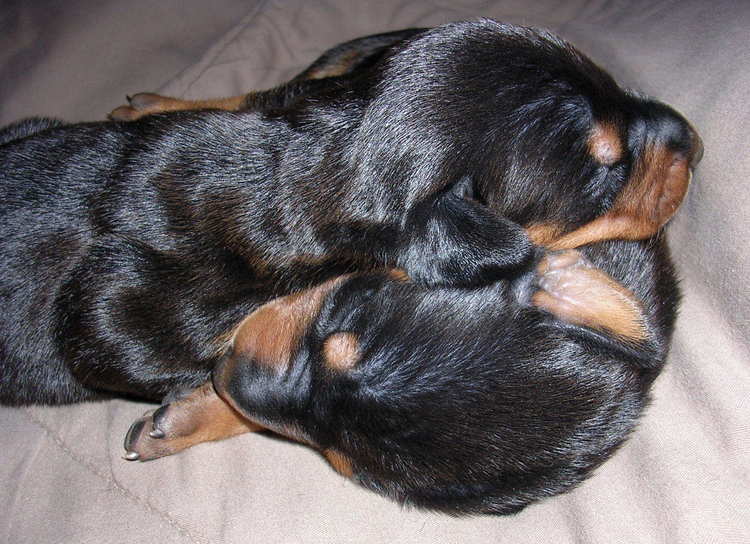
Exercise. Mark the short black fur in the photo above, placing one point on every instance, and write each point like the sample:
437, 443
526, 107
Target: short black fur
130, 250
467, 401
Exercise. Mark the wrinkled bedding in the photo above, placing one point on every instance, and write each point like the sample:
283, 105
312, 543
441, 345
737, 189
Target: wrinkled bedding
683, 477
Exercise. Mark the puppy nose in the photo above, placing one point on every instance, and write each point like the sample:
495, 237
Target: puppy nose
696, 149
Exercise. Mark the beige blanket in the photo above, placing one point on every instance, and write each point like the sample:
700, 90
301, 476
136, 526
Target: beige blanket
683, 477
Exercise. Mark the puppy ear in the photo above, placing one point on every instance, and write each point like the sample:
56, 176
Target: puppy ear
454, 240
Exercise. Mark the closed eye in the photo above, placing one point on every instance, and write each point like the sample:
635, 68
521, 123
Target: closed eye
604, 186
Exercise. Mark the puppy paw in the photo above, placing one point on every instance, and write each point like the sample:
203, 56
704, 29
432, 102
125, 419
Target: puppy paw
158, 433
191, 417
551, 268
575, 291
141, 104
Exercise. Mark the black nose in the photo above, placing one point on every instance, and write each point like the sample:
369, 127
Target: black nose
667, 125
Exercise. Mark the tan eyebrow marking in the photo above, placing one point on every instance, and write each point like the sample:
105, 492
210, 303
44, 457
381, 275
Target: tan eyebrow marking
605, 144
341, 350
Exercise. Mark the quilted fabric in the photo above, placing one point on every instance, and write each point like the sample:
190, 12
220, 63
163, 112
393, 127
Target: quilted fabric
683, 477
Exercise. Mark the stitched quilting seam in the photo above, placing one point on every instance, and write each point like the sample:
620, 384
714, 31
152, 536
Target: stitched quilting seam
89, 466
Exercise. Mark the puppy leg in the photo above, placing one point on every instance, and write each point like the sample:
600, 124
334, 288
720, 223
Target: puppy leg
199, 416
148, 103
342, 59
575, 291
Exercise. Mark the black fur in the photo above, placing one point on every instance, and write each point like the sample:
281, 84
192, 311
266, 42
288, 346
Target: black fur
130, 249
466, 401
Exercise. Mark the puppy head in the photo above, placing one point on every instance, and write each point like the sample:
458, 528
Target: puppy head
446, 400
280, 351
548, 138
650, 155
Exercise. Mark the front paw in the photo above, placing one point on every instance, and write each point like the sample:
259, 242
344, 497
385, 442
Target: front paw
191, 417
462, 243
575, 291
157, 434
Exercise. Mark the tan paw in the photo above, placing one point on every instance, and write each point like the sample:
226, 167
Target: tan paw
157, 434
198, 415
573, 290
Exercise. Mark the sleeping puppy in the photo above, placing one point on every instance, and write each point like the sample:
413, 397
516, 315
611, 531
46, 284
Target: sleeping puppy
463, 401
359, 58
131, 251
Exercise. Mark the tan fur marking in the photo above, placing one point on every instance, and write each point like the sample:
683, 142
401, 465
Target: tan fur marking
339, 462
210, 417
650, 199
542, 234
143, 104
578, 293
167, 103
271, 333
399, 274
341, 351
201, 416
605, 144
341, 66
232, 103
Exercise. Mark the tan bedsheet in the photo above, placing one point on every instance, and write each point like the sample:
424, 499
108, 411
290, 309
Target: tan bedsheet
683, 477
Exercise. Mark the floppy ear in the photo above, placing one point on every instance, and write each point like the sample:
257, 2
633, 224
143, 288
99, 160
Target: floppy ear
455, 240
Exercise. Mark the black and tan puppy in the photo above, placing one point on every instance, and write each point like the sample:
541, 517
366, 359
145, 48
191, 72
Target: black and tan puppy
132, 250
465, 401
